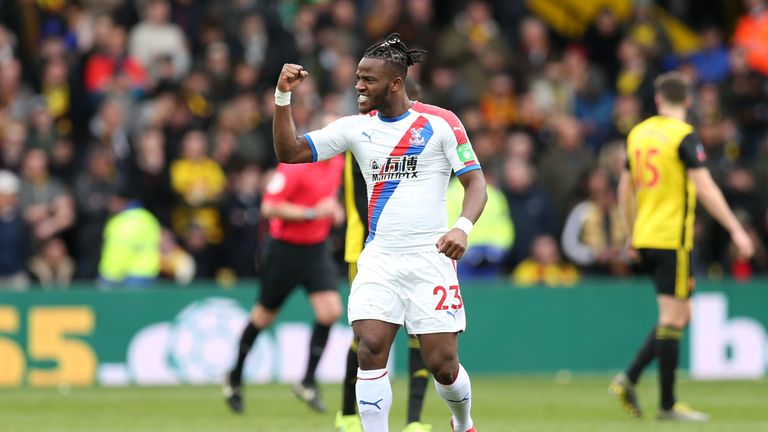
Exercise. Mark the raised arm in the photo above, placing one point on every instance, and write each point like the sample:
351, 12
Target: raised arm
289, 147
712, 199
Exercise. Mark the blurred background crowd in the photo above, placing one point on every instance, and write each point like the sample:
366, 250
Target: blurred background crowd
107, 106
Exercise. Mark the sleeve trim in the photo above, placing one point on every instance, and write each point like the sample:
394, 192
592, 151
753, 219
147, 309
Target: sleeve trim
467, 169
311, 147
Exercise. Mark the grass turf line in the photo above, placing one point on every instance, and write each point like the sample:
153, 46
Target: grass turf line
500, 404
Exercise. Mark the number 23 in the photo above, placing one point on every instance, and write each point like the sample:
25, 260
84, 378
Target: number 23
443, 293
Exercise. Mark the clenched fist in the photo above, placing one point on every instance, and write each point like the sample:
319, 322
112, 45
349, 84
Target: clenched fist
290, 77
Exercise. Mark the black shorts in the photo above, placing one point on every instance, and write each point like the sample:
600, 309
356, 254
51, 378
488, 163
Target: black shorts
285, 265
670, 270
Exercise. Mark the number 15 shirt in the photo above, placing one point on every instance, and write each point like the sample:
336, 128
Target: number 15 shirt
659, 151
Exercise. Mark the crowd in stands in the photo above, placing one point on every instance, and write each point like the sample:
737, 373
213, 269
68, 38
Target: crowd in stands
107, 106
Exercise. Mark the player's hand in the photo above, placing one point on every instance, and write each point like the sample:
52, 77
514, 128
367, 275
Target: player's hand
331, 209
743, 243
290, 77
453, 244
632, 253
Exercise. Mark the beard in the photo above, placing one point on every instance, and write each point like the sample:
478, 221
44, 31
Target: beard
380, 100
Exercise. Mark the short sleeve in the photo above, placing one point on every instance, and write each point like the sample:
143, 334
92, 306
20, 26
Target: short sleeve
333, 139
281, 185
691, 152
458, 148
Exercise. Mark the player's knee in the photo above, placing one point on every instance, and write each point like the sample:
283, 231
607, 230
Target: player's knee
372, 353
329, 314
261, 317
677, 320
443, 366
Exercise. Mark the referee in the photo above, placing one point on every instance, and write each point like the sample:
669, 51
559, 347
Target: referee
658, 193
301, 203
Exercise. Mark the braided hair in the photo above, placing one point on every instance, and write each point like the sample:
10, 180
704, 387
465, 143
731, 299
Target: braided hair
395, 54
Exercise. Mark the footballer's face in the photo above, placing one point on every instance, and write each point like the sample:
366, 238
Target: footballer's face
373, 81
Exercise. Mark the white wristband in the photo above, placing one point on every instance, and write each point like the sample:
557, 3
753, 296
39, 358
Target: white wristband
282, 98
464, 224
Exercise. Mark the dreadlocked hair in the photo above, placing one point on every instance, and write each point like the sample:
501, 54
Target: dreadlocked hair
394, 53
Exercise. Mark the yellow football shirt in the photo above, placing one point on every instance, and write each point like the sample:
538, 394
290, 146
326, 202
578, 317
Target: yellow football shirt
659, 151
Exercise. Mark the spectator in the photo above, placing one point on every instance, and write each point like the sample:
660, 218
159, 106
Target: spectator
264, 44
109, 131
155, 38
535, 46
627, 112
52, 266
635, 75
529, 207
152, 176
594, 236
199, 182
551, 90
42, 133
498, 103
446, 89
206, 260
711, 61
218, 67
111, 64
176, 264
15, 94
13, 235
474, 46
565, 164
593, 107
382, 19
647, 31
8, 43
545, 266
47, 204
93, 189
130, 255
58, 92
242, 214
13, 144
751, 34
492, 236
602, 42
745, 97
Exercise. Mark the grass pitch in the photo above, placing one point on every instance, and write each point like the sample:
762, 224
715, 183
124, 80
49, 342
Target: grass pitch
500, 404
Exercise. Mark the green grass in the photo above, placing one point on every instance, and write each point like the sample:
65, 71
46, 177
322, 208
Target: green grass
499, 404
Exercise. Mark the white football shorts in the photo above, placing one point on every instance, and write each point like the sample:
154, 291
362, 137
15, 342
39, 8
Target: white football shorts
419, 290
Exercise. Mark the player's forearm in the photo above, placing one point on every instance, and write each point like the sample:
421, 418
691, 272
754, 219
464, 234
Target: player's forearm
287, 144
288, 212
627, 202
475, 197
714, 202
712, 198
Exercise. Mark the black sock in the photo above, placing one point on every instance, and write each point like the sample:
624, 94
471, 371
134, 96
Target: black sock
246, 342
316, 348
348, 395
667, 350
643, 358
417, 382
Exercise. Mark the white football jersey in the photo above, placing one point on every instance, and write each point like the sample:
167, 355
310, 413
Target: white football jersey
407, 162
